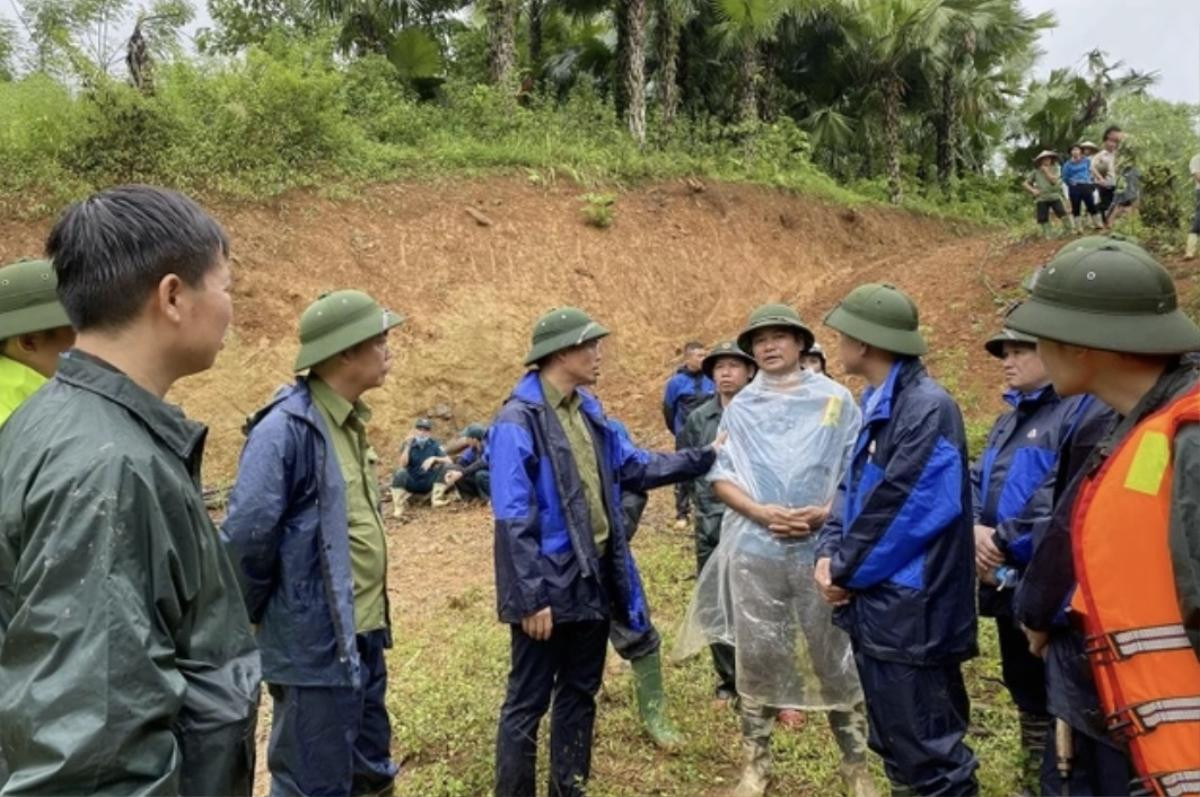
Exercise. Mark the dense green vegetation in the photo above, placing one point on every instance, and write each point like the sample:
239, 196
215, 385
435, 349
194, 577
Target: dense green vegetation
924, 102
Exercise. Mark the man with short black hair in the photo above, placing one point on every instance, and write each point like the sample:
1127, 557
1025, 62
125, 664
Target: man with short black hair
305, 529
127, 663
34, 331
687, 389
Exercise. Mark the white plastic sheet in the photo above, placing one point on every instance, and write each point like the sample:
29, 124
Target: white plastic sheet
790, 440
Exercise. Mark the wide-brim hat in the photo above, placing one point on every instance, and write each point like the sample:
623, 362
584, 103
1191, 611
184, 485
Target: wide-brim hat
559, 329
1041, 156
1088, 145
29, 299
726, 348
1089, 243
1108, 299
880, 315
995, 344
338, 321
774, 315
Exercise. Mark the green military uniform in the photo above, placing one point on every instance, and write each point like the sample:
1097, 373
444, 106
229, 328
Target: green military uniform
700, 430
127, 663
28, 303
584, 453
368, 546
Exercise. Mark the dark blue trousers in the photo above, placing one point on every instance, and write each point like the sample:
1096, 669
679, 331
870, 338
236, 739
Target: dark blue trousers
562, 674
334, 741
1097, 769
918, 719
1024, 673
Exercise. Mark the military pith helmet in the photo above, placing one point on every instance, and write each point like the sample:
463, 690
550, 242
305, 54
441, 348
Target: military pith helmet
28, 299
1086, 145
882, 316
995, 344
338, 321
1043, 155
816, 351
561, 328
726, 348
475, 431
1107, 299
424, 424
774, 315
1089, 243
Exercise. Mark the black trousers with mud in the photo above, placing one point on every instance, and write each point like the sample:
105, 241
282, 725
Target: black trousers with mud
562, 674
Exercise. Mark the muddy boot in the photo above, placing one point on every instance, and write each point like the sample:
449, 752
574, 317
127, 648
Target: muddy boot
438, 496
1193, 242
756, 768
1034, 728
857, 778
399, 501
648, 686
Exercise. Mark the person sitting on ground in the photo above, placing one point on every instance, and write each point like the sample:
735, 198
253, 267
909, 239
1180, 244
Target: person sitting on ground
421, 464
1045, 184
467, 475
1077, 174
814, 360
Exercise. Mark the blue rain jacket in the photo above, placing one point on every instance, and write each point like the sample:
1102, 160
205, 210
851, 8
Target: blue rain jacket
545, 551
685, 391
900, 536
287, 533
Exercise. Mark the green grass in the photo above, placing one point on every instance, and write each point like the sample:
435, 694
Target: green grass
447, 676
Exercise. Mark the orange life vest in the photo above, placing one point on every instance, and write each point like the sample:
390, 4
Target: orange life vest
1147, 673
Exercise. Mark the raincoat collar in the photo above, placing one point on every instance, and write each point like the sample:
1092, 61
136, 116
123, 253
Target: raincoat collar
166, 421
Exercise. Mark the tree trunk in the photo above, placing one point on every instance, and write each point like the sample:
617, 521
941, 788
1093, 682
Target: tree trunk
501, 27
535, 37
632, 77
893, 95
666, 45
747, 83
138, 62
947, 127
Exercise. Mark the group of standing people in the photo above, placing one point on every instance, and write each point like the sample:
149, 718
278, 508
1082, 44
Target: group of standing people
1087, 181
840, 544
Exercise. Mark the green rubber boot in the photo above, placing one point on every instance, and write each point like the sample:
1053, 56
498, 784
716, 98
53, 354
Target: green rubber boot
648, 686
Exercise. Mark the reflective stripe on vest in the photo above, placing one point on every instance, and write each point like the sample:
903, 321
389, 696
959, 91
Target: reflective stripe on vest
1147, 673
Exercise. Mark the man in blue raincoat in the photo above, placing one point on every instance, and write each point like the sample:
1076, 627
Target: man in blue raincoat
897, 556
563, 564
305, 530
1013, 496
687, 389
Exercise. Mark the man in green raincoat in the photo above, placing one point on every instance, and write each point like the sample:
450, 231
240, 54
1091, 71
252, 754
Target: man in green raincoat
127, 664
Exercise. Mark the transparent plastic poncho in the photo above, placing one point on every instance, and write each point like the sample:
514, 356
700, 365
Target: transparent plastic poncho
790, 440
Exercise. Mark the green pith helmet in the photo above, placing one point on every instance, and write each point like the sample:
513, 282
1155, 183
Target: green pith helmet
475, 431
337, 321
1107, 299
995, 344
726, 348
1089, 243
561, 328
28, 299
882, 316
774, 315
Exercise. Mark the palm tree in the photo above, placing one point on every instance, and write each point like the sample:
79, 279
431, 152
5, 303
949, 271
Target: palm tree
501, 35
669, 18
883, 38
629, 93
746, 25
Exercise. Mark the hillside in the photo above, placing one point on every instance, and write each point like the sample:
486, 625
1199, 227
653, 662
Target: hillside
681, 260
